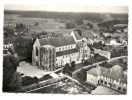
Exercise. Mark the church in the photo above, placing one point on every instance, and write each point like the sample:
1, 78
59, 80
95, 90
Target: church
51, 53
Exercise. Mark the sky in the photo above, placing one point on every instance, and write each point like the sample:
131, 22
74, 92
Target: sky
68, 8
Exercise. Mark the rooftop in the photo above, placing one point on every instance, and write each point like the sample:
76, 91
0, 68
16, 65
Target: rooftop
66, 52
87, 34
117, 68
113, 74
58, 41
78, 37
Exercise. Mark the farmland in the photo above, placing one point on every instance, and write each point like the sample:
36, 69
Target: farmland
48, 25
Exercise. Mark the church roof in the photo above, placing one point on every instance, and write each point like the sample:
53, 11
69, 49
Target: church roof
87, 34
78, 37
58, 41
66, 52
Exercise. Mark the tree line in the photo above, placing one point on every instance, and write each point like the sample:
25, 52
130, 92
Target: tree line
55, 15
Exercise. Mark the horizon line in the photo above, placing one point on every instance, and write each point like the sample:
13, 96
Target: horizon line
68, 11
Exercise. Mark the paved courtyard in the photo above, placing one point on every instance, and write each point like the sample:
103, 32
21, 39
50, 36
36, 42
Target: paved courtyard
102, 90
30, 70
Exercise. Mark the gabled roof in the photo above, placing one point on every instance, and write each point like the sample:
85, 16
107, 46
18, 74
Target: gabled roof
66, 52
93, 71
57, 41
116, 68
78, 37
118, 76
104, 71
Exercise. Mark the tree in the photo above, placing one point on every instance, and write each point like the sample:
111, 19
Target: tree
23, 47
36, 79
67, 69
36, 24
8, 32
96, 55
79, 21
87, 62
16, 81
70, 25
73, 65
10, 64
90, 25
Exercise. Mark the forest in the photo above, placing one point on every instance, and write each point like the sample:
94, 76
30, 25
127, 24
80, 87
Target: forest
63, 15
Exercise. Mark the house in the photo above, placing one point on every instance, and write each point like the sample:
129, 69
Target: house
114, 42
102, 53
8, 49
51, 53
109, 77
106, 34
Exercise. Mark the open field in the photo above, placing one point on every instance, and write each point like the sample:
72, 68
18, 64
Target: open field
43, 24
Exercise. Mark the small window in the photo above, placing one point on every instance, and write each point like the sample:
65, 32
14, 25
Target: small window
59, 49
105, 83
71, 46
36, 51
56, 59
65, 47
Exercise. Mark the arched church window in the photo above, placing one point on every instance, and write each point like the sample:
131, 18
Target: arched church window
36, 51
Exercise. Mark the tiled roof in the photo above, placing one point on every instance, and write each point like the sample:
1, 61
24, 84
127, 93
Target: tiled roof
115, 75
104, 71
116, 68
92, 71
118, 75
58, 41
78, 37
66, 52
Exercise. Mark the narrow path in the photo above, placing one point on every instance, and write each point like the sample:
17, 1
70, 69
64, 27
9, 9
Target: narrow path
97, 64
